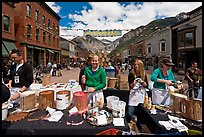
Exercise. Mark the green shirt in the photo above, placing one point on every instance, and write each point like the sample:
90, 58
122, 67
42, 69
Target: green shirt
95, 79
157, 73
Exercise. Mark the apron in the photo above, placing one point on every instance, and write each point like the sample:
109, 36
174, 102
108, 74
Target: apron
13, 91
136, 96
160, 97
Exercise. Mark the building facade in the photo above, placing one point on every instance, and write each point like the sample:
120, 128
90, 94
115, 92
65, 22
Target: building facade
8, 33
72, 47
158, 45
64, 45
187, 40
37, 32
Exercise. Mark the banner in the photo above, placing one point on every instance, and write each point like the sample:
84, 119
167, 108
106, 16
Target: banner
103, 33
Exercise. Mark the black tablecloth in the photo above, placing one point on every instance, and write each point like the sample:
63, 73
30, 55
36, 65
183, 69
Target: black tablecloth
151, 120
43, 127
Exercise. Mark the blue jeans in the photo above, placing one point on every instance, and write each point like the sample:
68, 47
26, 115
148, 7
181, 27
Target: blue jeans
132, 110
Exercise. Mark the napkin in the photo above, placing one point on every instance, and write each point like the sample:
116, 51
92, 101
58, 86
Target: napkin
73, 110
55, 116
102, 120
118, 122
166, 124
178, 125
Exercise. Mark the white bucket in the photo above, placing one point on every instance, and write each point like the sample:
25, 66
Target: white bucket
118, 108
4, 111
63, 99
109, 100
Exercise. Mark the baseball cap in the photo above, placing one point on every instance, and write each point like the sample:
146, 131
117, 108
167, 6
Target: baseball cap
167, 62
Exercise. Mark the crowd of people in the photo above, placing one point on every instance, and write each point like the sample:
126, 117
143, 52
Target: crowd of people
92, 78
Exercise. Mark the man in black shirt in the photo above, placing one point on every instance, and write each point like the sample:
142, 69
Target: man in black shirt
81, 73
21, 76
193, 77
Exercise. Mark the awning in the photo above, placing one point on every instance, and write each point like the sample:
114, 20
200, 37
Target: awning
31, 47
50, 51
37, 48
9, 46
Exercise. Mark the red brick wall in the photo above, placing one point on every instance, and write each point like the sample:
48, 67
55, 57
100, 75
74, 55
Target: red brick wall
8, 11
21, 21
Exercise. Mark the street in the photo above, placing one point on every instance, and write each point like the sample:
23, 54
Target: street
66, 76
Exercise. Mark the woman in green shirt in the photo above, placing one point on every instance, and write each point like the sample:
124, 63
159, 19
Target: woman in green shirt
95, 80
162, 77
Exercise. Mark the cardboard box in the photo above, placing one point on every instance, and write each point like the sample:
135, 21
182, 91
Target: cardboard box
124, 85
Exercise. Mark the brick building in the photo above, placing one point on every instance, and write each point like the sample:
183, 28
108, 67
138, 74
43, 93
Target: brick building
8, 35
37, 32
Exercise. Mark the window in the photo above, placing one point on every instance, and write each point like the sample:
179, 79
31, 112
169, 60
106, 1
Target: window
181, 39
37, 34
57, 43
162, 46
189, 38
53, 26
53, 41
57, 29
43, 19
44, 37
36, 16
49, 39
149, 48
7, 23
28, 10
48, 23
29, 31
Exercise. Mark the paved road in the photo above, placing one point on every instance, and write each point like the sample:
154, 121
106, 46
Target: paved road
66, 76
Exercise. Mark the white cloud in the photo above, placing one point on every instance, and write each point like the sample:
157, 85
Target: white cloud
56, 8
105, 15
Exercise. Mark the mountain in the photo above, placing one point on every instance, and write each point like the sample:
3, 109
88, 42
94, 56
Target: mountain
141, 32
91, 43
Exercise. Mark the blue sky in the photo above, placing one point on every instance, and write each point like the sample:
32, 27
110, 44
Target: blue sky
113, 15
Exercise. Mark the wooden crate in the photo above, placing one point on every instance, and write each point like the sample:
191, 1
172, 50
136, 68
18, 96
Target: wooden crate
124, 85
176, 99
124, 78
191, 109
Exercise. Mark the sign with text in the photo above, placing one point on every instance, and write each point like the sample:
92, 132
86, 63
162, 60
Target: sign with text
103, 33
